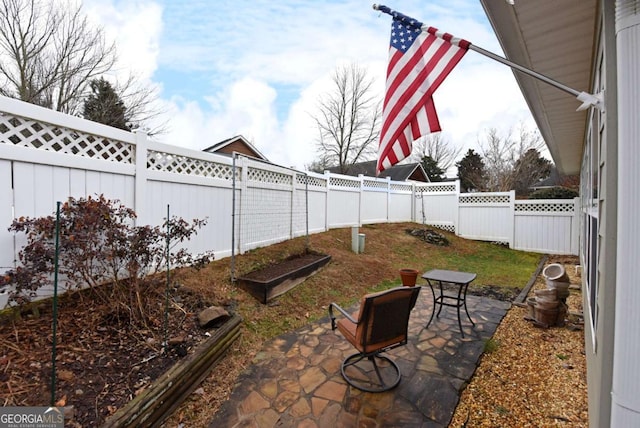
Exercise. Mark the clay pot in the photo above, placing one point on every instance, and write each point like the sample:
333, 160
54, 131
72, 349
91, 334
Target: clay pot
409, 277
562, 288
531, 301
547, 304
550, 317
548, 295
555, 274
546, 317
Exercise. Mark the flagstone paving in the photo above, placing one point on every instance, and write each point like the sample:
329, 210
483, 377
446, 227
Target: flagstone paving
295, 380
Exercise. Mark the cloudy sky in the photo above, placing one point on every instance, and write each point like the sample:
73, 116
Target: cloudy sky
256, 68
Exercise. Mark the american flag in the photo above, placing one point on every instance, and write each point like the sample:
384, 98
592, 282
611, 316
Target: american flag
420, 58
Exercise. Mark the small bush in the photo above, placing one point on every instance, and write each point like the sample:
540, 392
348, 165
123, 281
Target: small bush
99, 249
554, 193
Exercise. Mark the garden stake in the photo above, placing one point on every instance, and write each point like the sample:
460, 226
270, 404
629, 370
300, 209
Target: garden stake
166, 291
306, 208
233, 219
55, 307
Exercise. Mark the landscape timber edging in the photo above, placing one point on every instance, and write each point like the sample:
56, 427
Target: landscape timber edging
164, 395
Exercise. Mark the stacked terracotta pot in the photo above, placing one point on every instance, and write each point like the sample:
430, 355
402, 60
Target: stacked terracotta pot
548, 308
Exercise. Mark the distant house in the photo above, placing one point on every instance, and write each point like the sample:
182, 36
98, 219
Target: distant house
236, 144
406, 172
553, 180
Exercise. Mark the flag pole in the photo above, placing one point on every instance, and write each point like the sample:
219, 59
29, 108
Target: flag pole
586, 98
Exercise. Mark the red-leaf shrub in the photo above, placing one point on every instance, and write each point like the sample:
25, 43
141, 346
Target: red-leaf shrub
100, 249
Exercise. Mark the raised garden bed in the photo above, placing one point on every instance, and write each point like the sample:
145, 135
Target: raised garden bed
157, 402
268, 283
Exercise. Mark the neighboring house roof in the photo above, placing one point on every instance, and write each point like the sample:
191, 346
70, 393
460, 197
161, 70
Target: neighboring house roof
558, 45
553, 180
236, 144
405, 172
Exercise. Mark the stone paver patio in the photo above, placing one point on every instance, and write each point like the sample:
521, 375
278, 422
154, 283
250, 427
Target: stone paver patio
295, 380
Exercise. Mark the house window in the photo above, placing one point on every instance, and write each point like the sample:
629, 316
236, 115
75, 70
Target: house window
590, 195
592, 272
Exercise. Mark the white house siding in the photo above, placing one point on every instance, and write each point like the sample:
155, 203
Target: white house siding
625, 411
599, 228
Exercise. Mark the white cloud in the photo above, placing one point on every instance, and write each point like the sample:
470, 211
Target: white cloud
260, 65
135, 27
246, 108
477, 97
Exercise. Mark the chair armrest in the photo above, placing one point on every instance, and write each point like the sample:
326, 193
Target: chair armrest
342, 311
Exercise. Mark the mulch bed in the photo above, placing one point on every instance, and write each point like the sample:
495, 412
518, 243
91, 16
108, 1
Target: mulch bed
531, 376
102, 361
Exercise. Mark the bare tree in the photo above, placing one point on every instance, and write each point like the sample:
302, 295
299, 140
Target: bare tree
50, 53
437, 148
319, 165
348, 119
500, 156
141, 105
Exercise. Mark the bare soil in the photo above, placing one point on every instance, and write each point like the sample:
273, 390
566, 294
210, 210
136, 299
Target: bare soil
102, 361
277, 270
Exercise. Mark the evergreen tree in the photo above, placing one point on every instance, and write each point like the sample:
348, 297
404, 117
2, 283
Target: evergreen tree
104, 105
471, 172
434, 172
530, 169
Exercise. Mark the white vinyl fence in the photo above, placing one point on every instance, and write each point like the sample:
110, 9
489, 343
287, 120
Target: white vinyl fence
537, 225
47, 156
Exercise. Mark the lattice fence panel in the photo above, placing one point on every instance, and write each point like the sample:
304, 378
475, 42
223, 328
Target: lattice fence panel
375, 184
401, 187
447, 227
311, 181
484, 199
24, 132
545, 207
272, 177
343, 182
177, 164
438, 188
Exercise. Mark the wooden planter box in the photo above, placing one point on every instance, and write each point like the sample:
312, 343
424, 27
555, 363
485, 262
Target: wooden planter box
272, 281
158, 401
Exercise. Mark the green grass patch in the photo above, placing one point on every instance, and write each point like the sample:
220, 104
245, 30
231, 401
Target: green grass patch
494, 264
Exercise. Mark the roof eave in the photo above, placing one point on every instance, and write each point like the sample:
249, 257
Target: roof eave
525, 35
